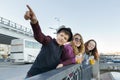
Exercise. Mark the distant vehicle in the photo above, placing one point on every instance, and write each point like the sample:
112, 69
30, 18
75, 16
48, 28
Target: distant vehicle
107, 60
24, 51
116, 60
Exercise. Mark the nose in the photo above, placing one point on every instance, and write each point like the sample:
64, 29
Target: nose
92, 47
62, 38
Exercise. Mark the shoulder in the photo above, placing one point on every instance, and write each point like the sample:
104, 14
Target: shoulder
67, 46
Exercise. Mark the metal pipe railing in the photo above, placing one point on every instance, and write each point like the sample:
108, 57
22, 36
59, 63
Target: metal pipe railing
70, 72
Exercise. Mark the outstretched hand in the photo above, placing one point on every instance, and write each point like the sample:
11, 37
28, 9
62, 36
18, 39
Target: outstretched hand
29, 15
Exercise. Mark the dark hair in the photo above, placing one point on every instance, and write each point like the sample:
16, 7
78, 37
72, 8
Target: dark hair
94, 51
66, 31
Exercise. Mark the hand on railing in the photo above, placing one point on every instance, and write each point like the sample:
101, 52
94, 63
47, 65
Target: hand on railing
59, 65
29, 15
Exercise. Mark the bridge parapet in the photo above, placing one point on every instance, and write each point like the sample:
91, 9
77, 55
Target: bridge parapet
15, 27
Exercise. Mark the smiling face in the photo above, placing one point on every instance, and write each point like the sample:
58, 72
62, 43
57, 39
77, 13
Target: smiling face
77, 40
91, 45
62, 38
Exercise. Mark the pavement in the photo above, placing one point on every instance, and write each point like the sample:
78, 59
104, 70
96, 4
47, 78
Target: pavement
10, 71
106, 76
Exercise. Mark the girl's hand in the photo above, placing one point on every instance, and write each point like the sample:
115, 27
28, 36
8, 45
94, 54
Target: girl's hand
78, 59
92, 61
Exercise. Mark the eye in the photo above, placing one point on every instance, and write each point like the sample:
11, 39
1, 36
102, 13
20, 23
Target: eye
65, 38
77, 39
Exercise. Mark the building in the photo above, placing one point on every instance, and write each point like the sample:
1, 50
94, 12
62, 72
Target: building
4, 51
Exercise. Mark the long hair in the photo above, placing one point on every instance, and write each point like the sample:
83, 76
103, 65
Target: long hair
93, 52
78, 50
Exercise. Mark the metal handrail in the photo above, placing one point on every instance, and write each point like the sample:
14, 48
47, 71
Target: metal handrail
70, 72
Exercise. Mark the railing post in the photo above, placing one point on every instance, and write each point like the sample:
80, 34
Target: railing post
1, 19
8, 22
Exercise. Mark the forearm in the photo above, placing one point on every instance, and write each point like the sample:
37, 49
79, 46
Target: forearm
69, 61
38, 35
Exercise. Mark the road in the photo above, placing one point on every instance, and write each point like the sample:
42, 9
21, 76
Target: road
10, 71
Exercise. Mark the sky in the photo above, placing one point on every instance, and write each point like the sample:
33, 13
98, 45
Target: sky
93, 19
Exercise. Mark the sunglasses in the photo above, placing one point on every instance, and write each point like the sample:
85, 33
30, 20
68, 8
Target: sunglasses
77, 39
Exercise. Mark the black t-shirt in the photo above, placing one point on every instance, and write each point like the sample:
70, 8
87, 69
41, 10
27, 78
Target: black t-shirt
47, 59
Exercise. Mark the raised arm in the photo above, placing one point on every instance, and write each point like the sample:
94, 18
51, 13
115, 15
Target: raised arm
38, 35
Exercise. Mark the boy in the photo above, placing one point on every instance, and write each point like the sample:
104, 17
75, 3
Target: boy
49, 56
